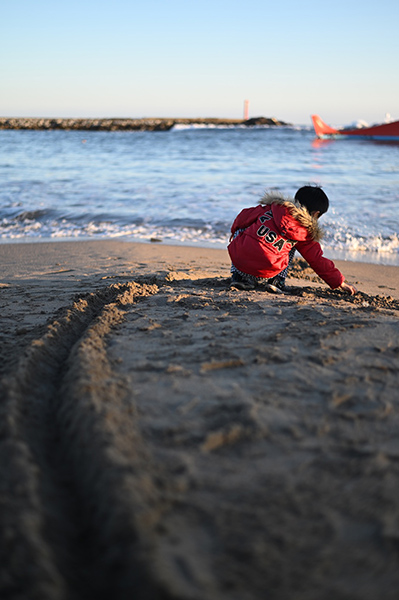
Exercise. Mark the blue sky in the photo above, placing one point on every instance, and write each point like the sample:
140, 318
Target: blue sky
85, 58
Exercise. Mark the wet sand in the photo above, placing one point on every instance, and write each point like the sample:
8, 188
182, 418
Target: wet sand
163, 436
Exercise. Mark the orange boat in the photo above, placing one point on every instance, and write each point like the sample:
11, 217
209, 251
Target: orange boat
383, 131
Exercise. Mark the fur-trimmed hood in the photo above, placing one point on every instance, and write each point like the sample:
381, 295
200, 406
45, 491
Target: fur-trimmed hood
298, 212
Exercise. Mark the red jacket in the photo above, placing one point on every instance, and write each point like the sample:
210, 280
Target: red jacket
271, 229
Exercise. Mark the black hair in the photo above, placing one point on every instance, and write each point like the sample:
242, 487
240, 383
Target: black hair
313, 199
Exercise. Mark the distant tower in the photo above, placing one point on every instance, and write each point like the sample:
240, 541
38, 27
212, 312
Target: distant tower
246, 106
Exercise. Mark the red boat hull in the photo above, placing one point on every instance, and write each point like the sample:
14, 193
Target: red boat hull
385, 131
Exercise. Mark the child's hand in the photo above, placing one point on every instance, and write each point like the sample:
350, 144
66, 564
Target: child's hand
349, 289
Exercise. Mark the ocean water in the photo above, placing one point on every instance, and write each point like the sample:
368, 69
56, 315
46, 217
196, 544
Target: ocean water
185, 186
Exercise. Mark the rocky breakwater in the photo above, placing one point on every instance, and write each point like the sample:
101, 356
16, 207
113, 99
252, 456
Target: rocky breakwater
129, 124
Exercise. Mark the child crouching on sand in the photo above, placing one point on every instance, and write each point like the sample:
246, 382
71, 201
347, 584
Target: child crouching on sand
264, 239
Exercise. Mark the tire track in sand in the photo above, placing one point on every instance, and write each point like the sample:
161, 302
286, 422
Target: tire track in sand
62, 472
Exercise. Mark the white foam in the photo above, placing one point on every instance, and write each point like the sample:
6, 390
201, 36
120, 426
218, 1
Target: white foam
338, 242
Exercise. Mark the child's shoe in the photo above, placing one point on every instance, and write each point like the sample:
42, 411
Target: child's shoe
239, 283
275, 285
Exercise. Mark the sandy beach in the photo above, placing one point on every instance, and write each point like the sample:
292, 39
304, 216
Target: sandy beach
166, 437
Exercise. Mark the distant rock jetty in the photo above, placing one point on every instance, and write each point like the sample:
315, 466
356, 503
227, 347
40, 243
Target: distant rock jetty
128, 124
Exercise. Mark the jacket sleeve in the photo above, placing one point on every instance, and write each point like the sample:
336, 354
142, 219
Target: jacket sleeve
325, 268
246, 217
